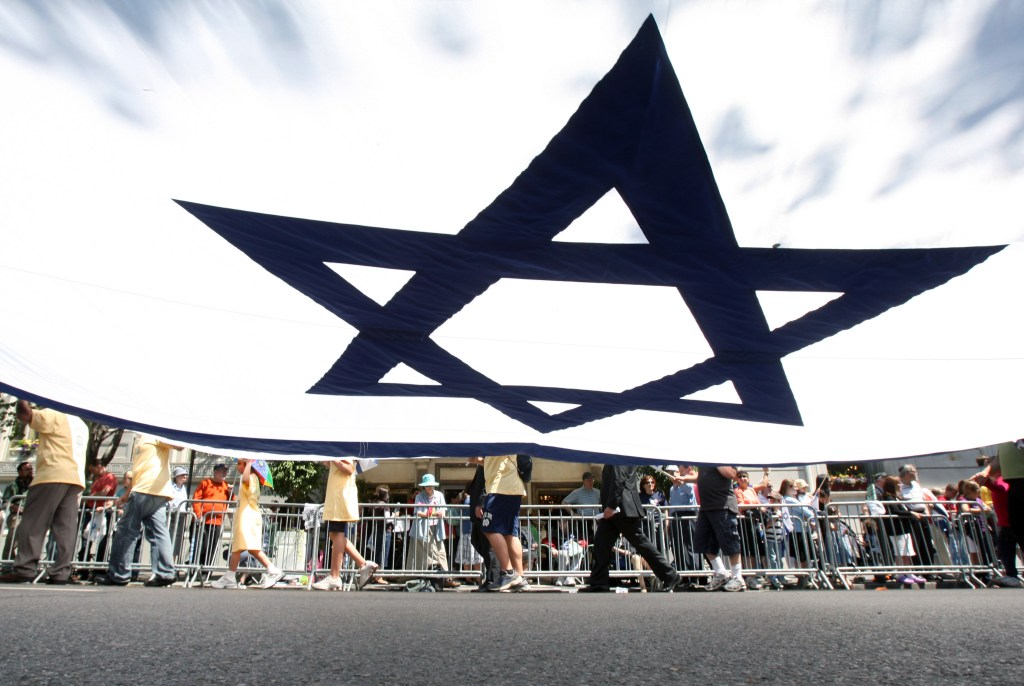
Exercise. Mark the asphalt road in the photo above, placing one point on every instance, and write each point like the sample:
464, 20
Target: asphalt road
135, 635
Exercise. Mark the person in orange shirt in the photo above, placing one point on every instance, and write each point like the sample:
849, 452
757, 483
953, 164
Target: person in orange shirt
750, 517
210, 515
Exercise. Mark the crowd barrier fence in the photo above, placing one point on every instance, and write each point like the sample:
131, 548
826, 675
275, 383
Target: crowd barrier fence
795, 543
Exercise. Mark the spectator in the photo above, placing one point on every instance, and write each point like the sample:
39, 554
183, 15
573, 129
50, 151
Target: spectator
800, 522
381, 528
247, 532
145, 505
212, 496
566, 552
911, 490
586, 496
622, 514
986, 495
14, 505
585, 501
751, 524
898, 525
341, 507
973, 512
653, 500
774, 533
466, 555
179, 503
104, 484
717, 531
427, 532
682, 502
51, 503
500, 517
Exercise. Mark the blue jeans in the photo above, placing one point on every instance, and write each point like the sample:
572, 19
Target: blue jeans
151, 510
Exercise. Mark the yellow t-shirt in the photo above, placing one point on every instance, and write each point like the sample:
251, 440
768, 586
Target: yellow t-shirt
62, 442
150, 467
341, 502
502, 476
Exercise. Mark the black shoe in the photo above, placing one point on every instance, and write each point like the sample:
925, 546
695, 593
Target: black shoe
595, 589
157, 581
13, 578
669, 586
50, 581
104, 580
482, 588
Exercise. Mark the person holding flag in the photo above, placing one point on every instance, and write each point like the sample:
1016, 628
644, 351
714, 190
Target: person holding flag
247, 531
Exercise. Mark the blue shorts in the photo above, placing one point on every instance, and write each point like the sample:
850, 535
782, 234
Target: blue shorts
501, 514
337, 527
716, 530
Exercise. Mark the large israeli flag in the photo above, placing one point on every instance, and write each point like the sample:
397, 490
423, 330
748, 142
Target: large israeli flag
604, 231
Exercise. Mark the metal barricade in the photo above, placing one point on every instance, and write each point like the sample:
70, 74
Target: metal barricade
826, 549
869, 539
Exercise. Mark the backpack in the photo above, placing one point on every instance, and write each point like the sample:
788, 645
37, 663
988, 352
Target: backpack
524, 465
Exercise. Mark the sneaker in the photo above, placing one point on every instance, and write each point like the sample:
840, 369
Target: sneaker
905, 579
525, 586
271, 578
775, 583
755, 584
226, 581
917, 579
506, 582
717, 581
365, 574
735, 584
1007, 582
329, 583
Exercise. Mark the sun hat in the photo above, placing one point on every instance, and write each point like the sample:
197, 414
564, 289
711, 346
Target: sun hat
428, 480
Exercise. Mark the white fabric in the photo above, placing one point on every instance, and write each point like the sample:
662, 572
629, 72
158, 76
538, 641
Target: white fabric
827, 125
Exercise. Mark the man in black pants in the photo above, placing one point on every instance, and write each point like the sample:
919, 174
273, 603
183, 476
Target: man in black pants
622, 514
490, 567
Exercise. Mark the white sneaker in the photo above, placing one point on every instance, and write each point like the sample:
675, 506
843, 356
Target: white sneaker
226, 581
365, 574
717, 581
735, 584
329, 583
271, 578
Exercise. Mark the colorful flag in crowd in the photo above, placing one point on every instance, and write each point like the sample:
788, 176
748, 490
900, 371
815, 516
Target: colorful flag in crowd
664, 232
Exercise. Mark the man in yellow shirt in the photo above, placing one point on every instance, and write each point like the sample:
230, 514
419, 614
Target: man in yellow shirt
145, 504
53, 498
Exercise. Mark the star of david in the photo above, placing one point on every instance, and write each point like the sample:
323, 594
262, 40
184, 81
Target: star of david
633, 133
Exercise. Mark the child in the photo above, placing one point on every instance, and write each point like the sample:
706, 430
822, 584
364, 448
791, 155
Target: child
247, 532
341, 507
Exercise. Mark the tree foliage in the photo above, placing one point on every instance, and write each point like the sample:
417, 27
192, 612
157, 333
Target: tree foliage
299, 481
